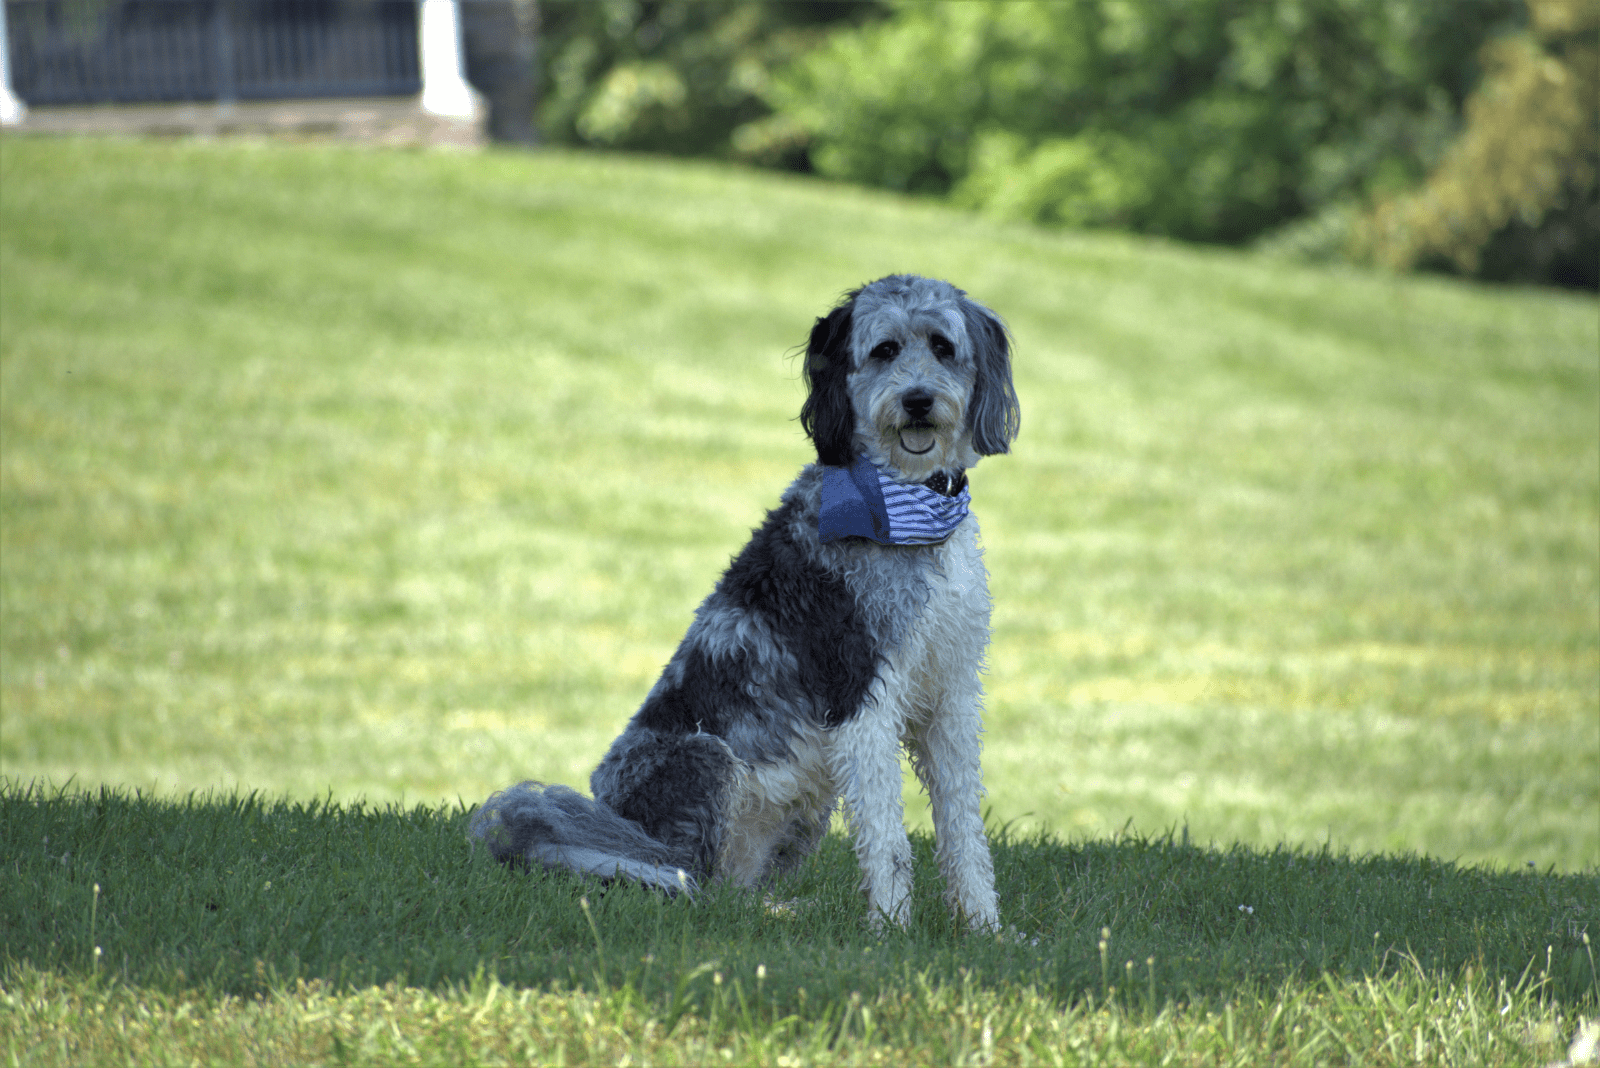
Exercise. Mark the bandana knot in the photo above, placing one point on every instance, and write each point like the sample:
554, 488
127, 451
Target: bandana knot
861, 501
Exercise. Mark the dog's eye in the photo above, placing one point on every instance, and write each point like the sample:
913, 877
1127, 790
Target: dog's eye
885, 351
941, 347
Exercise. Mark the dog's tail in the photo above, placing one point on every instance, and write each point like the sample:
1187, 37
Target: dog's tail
560, 828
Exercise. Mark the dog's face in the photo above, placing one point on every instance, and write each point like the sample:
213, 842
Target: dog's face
912, 374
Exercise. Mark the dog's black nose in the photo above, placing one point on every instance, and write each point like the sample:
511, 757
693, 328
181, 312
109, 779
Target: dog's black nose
917, 403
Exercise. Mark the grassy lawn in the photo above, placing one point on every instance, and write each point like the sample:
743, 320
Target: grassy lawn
233, 929
396, 476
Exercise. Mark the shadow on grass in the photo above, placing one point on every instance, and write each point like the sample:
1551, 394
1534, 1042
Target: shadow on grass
241, 894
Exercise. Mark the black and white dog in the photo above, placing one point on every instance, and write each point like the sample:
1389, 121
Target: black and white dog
853, 624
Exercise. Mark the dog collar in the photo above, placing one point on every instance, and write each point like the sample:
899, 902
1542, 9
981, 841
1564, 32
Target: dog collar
860, 501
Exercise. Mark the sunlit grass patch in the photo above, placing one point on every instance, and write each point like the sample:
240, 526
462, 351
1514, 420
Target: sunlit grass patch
398, 475
1402, 1020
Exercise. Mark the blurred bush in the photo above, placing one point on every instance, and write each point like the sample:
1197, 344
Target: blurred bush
675, 76
1316, 128
1517, 197
1211, 120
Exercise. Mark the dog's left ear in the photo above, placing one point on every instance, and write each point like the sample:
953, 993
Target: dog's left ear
994, 416
827, 414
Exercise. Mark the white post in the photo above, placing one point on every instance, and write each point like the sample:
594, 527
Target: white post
12, 109
444, 87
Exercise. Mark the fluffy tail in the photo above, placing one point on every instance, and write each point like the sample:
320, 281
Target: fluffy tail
561, 828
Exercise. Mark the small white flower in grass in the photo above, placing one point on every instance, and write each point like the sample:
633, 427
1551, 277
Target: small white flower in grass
1248, 910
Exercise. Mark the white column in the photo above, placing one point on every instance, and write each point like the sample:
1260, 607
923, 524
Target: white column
444, 86
12, 109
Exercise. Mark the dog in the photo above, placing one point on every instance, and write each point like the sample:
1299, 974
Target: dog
853, 624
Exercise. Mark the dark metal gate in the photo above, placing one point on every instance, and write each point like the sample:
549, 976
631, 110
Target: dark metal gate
126, 51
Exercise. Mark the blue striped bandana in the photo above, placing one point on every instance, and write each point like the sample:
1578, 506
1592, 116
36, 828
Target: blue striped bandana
861, 501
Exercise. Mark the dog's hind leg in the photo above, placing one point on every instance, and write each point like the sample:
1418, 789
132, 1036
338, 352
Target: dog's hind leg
779, 812
676, 787
799, 840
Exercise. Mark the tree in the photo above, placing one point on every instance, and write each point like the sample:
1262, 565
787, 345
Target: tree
1208, 119
1517, 198
676, 76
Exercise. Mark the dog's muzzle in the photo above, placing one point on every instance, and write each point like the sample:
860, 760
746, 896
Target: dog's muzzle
919, 435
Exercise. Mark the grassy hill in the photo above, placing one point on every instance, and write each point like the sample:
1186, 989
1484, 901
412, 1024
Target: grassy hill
351, 474
400, 475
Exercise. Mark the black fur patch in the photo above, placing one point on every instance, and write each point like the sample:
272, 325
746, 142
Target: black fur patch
827, 415
706, 699
810, 613
510, 839
672, 787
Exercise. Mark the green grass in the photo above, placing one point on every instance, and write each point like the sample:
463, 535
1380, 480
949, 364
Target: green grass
346, 474
231, 928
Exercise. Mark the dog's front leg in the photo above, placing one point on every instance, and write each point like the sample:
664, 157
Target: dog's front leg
945, 751
865, 756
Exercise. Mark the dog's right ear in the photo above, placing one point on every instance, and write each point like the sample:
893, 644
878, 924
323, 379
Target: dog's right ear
994, 414
827, 414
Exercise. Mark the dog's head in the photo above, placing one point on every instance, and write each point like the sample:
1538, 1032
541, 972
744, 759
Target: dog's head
914, 375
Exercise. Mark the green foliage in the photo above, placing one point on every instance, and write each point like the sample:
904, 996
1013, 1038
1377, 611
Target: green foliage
1208, 119
1305, 124
1518, 196
674, 76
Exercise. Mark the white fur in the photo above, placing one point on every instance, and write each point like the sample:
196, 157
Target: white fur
606, 865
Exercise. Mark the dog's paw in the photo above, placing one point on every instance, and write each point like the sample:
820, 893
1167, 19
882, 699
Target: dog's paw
880, 922
1012, 937
782, 909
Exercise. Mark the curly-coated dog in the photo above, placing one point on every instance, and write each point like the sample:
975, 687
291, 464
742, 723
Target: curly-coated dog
853, 624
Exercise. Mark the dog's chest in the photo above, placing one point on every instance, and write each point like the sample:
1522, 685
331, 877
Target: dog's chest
928, 595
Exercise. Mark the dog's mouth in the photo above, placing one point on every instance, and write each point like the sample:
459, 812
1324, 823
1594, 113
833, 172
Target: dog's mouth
919, 438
